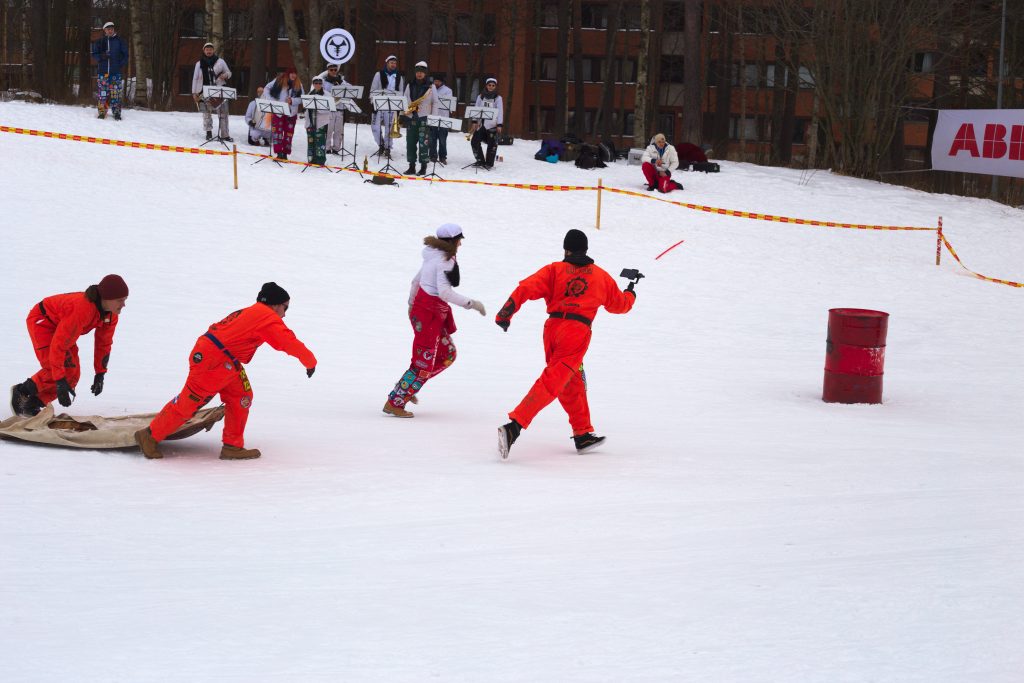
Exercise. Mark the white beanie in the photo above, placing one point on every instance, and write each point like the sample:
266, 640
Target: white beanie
450, 231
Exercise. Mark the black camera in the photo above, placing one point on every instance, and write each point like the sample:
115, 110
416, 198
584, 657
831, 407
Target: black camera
631, 274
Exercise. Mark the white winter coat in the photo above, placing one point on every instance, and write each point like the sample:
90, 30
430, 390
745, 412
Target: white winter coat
496, 103
433, 280
328, 86
220, 70
428, 104
443, 91
283, 97
669, 158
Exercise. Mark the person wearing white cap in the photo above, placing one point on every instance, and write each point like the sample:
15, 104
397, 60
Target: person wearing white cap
110, 53
316, 128
332, 77
211, 70
430, 314
416, 134
438, 137
488, 130
387, 78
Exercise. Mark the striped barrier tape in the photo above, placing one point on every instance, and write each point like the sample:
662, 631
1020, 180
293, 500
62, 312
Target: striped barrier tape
978, 275
767, 216
115, 143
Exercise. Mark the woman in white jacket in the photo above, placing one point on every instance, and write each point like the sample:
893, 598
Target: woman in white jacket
285, 88
659, 160
430, 314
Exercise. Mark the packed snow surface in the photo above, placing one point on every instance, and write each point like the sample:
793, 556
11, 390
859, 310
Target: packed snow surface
734, 527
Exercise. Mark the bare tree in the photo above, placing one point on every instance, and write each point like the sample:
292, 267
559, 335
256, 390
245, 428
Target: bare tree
215, 23
604, 114
692, 85
258, 49
140, 10
561, 68
579, 110
294, 43
642, 107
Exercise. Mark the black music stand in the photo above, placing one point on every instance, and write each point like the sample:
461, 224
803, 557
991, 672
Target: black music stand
387, 100
272, 107
317, 104
224, 94
440, 123
479, 115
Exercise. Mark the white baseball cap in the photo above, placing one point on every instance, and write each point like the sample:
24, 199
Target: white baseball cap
389, 58
109, 24
491, 80
450, 231
421, 66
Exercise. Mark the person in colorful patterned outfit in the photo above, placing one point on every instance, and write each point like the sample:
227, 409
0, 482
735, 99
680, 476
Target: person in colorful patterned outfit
215, 367
316, 127
416, 133
54, 326
111, 55
573, 289
285, 88
430, 314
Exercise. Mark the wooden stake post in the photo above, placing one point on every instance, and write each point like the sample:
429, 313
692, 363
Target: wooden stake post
938, 243
599, 186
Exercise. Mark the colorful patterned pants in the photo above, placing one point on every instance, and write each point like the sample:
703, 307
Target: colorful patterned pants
416, 139
108, 91
316, 145
433, 350
282, 129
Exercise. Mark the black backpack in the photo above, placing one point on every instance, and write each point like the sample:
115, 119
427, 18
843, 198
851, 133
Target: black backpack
590, 157
608, 154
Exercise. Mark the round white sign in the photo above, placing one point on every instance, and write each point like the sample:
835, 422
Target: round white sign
337, 46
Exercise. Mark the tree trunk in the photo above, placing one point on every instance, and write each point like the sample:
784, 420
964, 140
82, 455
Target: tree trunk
723, 91
561, 69
604, 114
40, 13
258, 49
641, 109
294, 44
538, 65
424, 28
743, 84
366, 44
778, 102
140, 11
692, 85
314, 18
580, 127
85, 82
215, 11
511, 14
450, 65
789, 113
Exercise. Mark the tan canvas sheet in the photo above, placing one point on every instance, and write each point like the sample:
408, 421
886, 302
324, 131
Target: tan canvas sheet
94, 431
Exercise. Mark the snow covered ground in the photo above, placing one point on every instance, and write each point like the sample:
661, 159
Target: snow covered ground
734, 528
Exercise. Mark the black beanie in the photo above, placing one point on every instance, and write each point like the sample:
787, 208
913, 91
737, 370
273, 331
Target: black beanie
271, 294
575, 242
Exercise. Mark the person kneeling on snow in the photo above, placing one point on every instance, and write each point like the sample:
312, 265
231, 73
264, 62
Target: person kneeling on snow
258, 122
430, 315
215, 367
54, 326
659, 160
573, 289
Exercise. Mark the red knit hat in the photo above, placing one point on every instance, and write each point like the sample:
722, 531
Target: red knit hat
113, 287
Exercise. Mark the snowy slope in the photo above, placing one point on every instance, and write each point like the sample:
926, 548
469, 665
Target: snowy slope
735, 528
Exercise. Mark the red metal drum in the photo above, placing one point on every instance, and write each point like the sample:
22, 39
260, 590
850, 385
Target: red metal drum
854, 355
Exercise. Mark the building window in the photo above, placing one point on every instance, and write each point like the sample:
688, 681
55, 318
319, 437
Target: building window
675, 17
631, 20
751, 75
746, 126
594, 16
806, 79
240, 80
548, 15
465, 31
667, 125
439, 29
629, 124
282, 32
672, 69
769, 76
548, 66
192, 25
625, 71
592, 69
924, 62
239, 26
185, 79
547, 116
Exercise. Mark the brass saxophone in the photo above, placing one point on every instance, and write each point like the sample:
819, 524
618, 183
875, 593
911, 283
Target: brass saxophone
396, 129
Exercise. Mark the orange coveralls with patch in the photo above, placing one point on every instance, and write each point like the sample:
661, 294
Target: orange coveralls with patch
54, 325
573, 293
215, 367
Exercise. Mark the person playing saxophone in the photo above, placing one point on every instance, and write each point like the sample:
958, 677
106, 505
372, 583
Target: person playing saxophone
421, 95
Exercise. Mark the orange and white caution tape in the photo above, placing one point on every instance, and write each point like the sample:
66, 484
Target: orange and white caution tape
115, 143
978, 275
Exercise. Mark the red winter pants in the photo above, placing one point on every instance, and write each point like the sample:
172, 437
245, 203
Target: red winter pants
40, 331
210, 372
565, 344
433, 350
663, 182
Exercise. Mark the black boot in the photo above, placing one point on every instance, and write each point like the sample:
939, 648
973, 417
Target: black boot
587, 442
507, 435
117, 116
209, 135
24, 401
411, 170
101, 115
423, 170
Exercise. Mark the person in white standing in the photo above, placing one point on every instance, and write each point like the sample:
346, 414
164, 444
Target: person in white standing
332, 77
439, 136
387, 78
211, 70
488, 130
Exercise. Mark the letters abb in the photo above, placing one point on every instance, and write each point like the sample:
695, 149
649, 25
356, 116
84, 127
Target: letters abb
994, 145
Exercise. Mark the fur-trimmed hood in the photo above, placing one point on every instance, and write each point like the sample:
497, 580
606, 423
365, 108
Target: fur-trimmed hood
447, 247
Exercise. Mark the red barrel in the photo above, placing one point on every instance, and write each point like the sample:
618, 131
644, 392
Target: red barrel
854, 355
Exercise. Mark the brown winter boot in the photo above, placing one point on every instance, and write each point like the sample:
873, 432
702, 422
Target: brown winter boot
236, 453
148, 444
396, 412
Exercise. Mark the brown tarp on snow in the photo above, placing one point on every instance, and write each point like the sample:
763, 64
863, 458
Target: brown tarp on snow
94, 431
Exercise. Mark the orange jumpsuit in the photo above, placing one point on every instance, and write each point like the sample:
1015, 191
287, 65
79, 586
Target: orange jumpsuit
54, 325
573, 289
215, 367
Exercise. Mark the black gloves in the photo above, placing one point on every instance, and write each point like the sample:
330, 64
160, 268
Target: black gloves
64, 392
503, 324
631, 290
310, 371
97, 384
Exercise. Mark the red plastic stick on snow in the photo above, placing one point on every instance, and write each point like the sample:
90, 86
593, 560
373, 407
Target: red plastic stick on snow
669, 249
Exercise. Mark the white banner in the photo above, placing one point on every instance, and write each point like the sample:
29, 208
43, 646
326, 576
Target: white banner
989, 141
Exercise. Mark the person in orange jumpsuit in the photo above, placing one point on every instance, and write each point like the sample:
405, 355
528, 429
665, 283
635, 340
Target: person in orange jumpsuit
54, 326
573, 289
215, 367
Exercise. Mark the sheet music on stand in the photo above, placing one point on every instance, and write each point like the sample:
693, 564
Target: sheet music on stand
348, 105
447, 104
391, 101
481, 113
273, 107
318, 102
444, 123
219, 92
346, 91
383, 93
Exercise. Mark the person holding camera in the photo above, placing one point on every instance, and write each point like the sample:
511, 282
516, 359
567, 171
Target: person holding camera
111, 55
573, 289
211, 70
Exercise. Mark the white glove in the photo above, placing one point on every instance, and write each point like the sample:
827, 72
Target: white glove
476, 306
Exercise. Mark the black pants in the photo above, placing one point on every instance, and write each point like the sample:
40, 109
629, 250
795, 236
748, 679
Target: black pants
491, 138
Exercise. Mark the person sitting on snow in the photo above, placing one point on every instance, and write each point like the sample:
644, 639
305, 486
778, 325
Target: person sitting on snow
659, 160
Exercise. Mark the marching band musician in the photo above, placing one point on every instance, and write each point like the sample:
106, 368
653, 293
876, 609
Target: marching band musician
491, 129
211, 70
258, 122
416, 134
336, 119
387, 78
316, 128
438, 138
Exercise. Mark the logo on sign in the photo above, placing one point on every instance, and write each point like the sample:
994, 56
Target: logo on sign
337, 46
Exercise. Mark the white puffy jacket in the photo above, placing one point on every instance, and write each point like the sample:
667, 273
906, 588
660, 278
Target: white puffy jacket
433, 280
669, 157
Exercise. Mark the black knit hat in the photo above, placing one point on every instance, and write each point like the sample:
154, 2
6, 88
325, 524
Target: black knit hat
271, 294
575, 242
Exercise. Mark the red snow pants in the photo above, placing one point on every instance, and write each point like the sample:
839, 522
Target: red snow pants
41, 331
663, 183
210, 372
565, 344
433, 350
